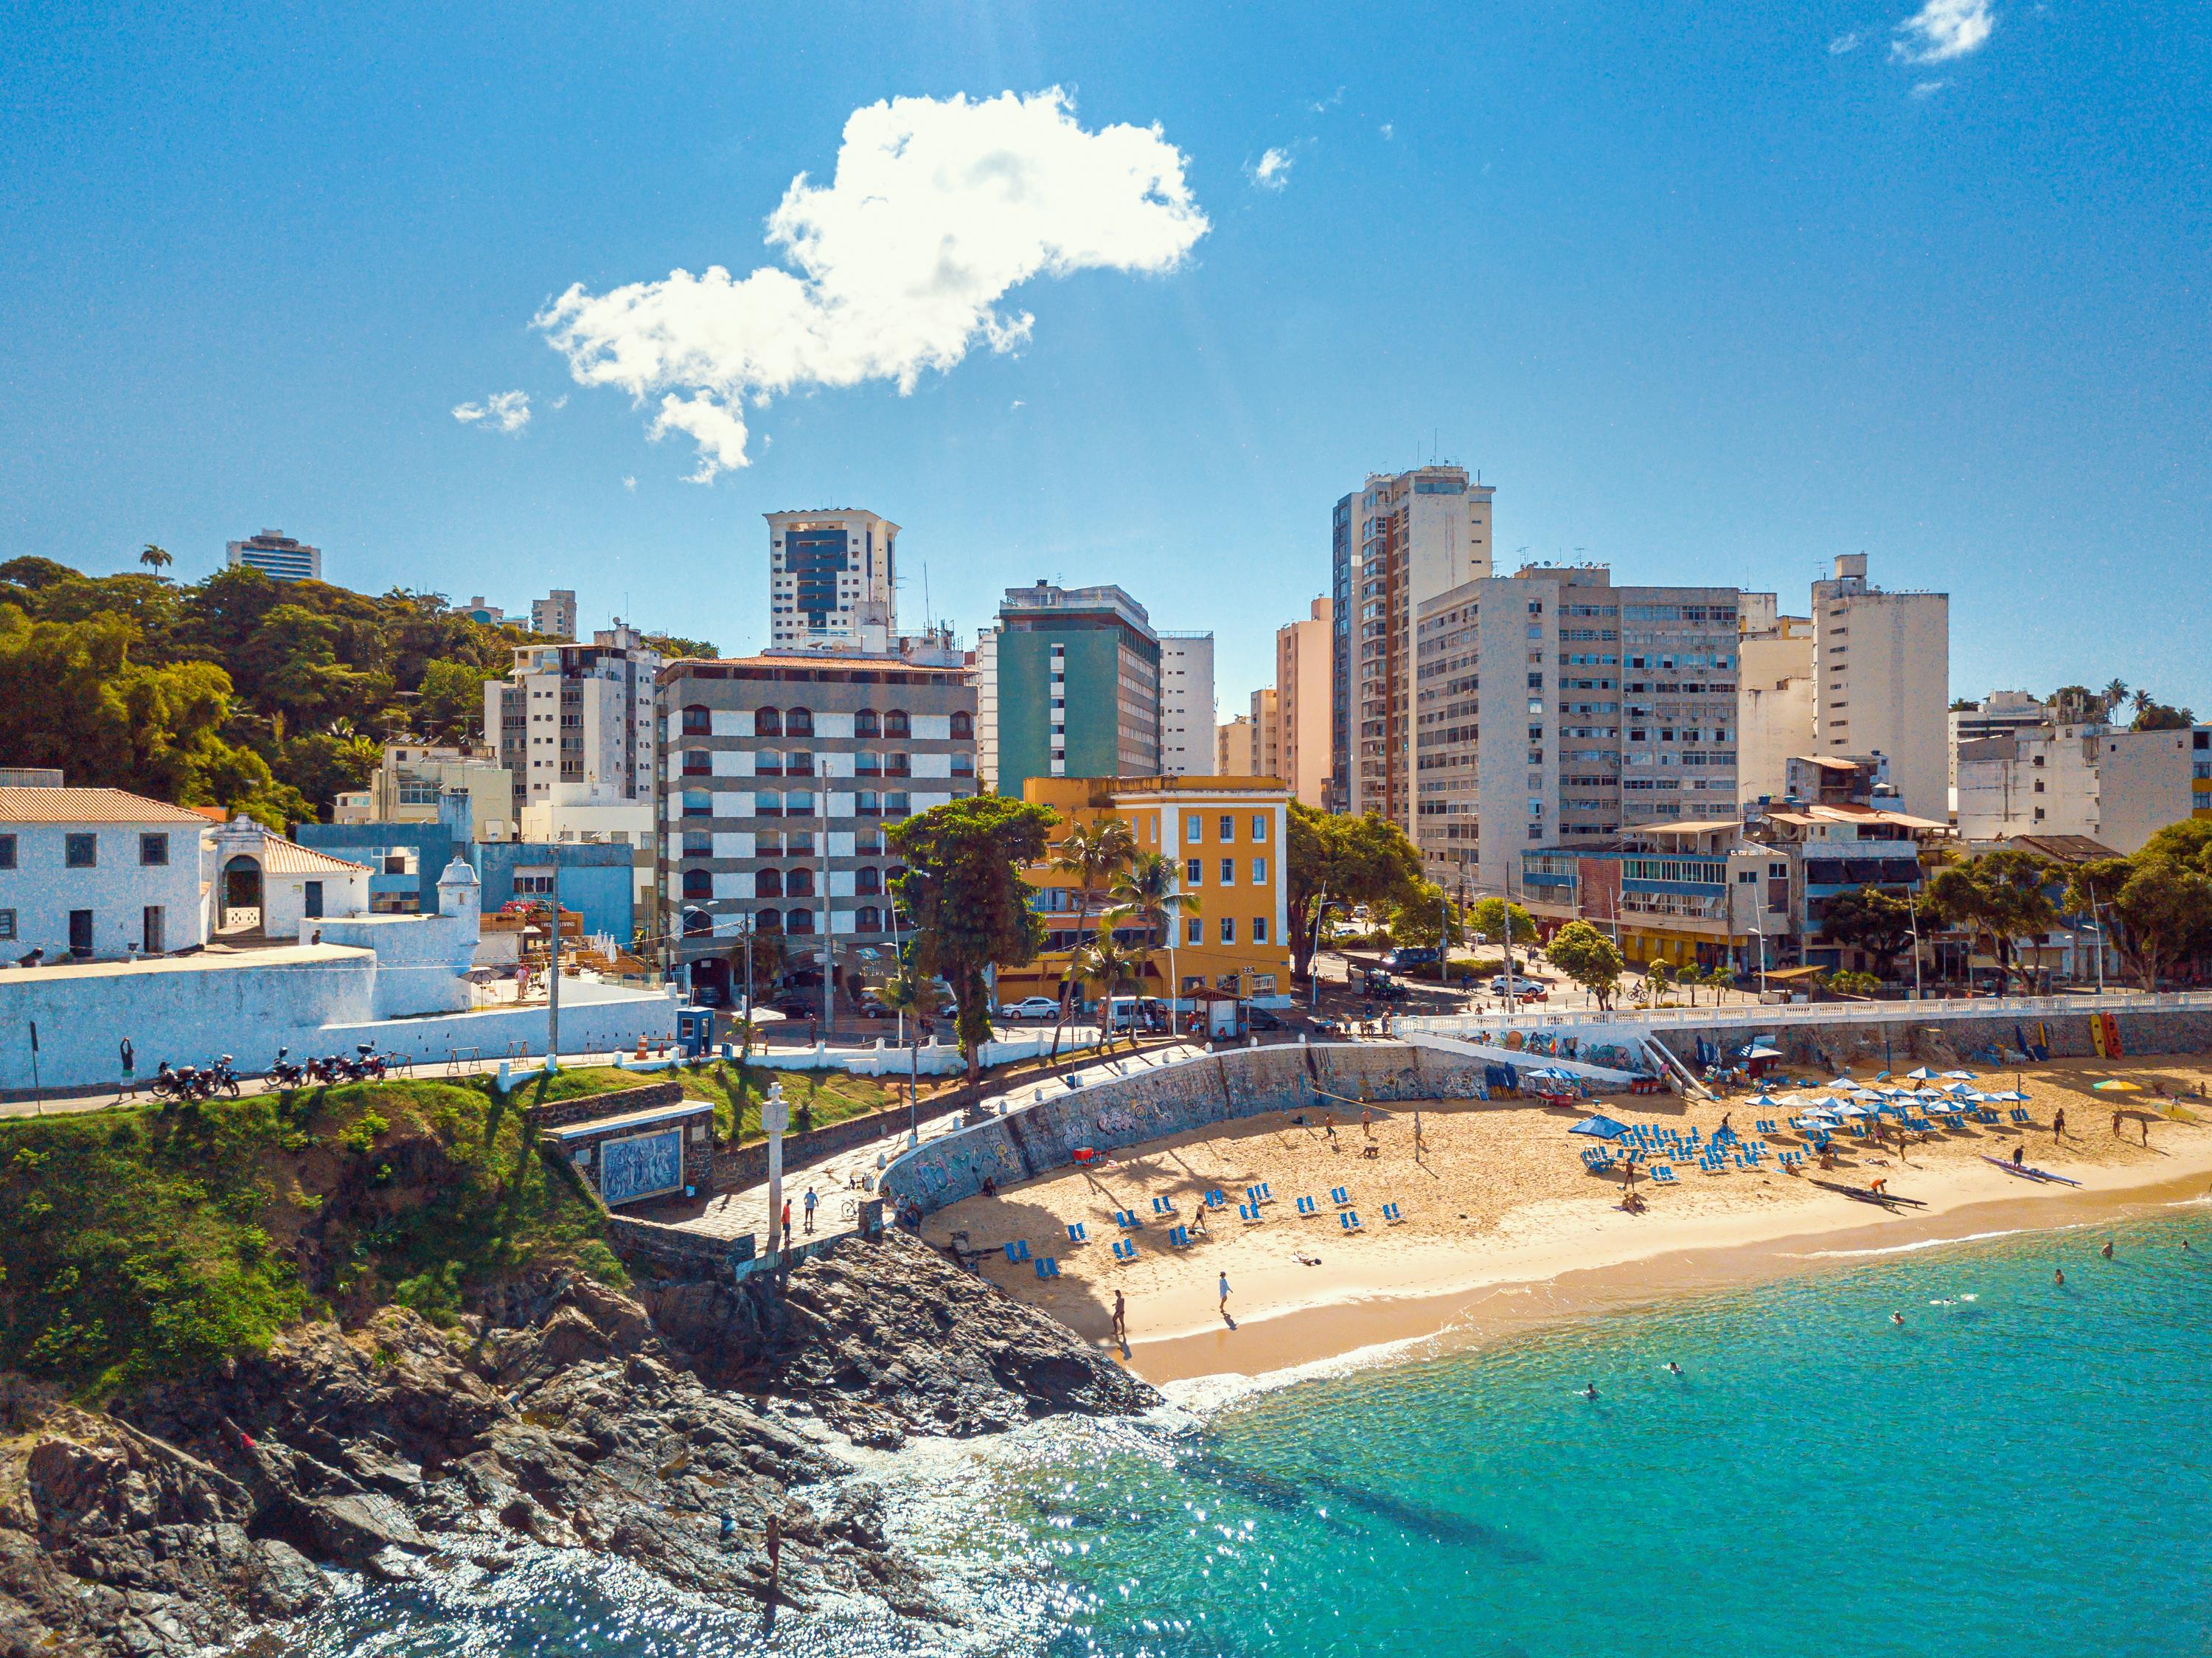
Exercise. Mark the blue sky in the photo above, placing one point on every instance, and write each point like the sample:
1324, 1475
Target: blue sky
1711, 293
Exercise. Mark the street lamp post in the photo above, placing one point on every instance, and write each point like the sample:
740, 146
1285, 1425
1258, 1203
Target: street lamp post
1912, 916
1760, 935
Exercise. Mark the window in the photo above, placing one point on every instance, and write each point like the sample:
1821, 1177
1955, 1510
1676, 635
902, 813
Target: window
1194, 932
696, 763
1259, 872
1259, 930
798, 805
799, 883
1228, 828
896, 723
697, 803
7, 925
897, 805
1194, 827
868, 804
865, 724
964, 765
767, 722
1229, 929
697, 722
1259, 828
153, 848
964, 725
768, 921
697, 846
7, 851
868, 919
1228, 872
768, 883
799, 722
1194, 872
799, 921
150, 927
80, 932
80, 852
697, 883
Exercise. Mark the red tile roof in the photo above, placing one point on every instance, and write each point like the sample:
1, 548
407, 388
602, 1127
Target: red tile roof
90, 806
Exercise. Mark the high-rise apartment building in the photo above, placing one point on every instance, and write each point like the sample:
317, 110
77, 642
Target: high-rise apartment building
830, 578
1774, 696
277, 557
1185, 704
574, 724
1997, 714
1068, 686
1881, 674
1397, 542
1232, 748
1267, 758
781, 774
1607, 708
554, 615
1302, 692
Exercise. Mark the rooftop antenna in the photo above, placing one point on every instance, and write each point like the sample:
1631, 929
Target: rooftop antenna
928, 621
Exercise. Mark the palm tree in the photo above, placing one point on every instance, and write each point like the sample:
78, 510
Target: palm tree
156, 559
2142, 704
1150, 891
917, 998
2115, 694
1094, 854
1103, 960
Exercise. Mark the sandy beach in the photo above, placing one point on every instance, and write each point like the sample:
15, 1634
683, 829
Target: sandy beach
1503, 1226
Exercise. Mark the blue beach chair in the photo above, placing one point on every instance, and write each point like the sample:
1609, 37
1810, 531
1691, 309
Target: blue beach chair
1307, 1206
1047, 1267
1248, 1213
1018, 1250
1390, 1214
1076, 1235
1215, 1200
1125, 1249
1339, 1197
1162, 1206
1179, 1236
1126, 1220
1662, 1173
1349, 1220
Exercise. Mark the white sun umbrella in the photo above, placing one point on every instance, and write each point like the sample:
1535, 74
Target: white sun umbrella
1841, 1082
1959, 1076
1923, 1074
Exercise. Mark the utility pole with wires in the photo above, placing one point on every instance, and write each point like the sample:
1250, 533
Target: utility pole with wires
553, 975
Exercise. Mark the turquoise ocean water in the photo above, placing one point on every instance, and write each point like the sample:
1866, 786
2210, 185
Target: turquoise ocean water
2020, 1469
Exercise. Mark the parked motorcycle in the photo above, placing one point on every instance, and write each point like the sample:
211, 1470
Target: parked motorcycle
286, 1075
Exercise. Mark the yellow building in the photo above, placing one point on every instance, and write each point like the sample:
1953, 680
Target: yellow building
1227, 838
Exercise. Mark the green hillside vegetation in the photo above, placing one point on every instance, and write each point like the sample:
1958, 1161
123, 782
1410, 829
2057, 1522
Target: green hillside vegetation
265, 697
147, 1243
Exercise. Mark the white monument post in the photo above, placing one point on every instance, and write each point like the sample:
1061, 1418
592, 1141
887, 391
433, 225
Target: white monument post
775, 1117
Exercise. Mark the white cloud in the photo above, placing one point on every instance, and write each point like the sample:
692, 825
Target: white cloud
937, 208
1942, 30
1321, 107
630, 482
1271, 171
1389, 130
1016, 404
1928, 88
1843, 43
560, 402
503, 411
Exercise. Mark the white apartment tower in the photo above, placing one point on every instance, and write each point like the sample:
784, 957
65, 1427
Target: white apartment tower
1774, 697
554, 615
1185, 704
575, 724
1554, 709
1882, 682
830, 579
276, 556
1397, 542
1302, 704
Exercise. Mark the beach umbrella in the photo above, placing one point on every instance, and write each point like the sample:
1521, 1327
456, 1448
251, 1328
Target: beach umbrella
1841, 1082
1604, 1128
1882, 1076
1923, 1074
1962, 1076
2117, 1085
1761, 1053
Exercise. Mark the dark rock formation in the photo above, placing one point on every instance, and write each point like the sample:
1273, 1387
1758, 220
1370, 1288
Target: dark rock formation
566, 1415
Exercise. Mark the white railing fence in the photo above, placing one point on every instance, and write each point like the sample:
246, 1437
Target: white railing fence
1764, 1016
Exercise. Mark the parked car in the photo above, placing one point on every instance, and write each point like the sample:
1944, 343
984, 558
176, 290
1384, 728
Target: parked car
795, 1004
1030, 1007
1262, 1019
871, 1006
1407, 959
1521, 990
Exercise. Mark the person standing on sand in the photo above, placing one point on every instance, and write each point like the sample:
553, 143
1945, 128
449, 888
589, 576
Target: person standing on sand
2117, 1117
2019, 1153
2058, 1124
1224, 1295
1367, 1122
2146, 1128
1120, 1320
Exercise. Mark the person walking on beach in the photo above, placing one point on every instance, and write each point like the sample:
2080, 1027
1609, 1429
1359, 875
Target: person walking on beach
2117, 1117
2058, 1124
1224, 1294
2019, 1153
1367, 1122
1120, 1320
2146, 1133
810, 1201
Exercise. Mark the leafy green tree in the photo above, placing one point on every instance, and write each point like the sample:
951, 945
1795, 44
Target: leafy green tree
451, 698
1495, 920
1588, 957
970, 907
1659, 978
2000, 898
673, 645
1425, 919
1874, 919
2162, 716
1342, 862
2156, 907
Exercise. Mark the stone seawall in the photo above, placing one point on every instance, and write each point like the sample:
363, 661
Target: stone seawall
1038, 1138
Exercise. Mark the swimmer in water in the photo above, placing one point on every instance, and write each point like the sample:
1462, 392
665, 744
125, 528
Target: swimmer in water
1672, 1369
1590, 1390
2058, 1277
2107, 1252
1898, 1319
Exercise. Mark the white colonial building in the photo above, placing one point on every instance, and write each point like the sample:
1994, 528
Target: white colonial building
98, 874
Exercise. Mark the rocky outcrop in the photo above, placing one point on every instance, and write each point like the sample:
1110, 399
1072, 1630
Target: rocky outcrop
890, 1339
568, 1415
